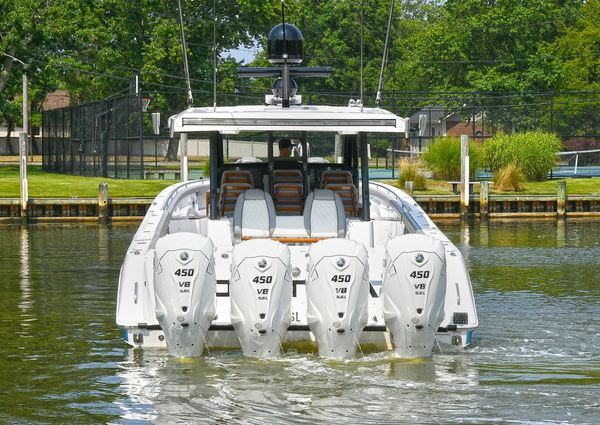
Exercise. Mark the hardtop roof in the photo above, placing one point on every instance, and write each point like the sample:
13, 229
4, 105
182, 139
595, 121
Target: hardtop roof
337, 119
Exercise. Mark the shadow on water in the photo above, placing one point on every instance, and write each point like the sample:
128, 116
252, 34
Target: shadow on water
536, 356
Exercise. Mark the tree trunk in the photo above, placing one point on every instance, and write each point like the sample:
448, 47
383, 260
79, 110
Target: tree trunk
6, 67
10, 126
172, 149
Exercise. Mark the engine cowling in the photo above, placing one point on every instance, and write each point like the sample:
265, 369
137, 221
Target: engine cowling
414, 291
337, 291
261, 296
185, 291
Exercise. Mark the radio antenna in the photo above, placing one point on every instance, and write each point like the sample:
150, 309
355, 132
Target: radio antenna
361, 51
186, 66
215, 54
385, 55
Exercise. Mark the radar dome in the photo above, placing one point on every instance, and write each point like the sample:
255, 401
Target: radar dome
294, 44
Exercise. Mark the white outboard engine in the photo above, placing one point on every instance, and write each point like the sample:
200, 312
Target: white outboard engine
414, 291
261, 296
337, 291
185, 291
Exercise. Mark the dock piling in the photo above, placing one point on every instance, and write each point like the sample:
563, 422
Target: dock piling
409, 187
464, 174
484, 196
103, 202
561, 198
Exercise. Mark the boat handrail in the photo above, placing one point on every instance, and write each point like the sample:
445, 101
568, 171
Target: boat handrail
402, 206
182, 187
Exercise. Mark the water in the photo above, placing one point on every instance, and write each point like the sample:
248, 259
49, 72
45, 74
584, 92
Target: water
536, 358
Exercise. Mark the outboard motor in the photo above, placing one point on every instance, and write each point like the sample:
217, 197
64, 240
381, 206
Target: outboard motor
185, 291
261, 296
414, 291
337, 291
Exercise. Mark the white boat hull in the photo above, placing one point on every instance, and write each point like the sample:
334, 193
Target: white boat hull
181, 208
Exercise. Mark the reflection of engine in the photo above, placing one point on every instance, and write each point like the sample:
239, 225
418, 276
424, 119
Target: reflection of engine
414, 290
337, 291
185, 290
261, 296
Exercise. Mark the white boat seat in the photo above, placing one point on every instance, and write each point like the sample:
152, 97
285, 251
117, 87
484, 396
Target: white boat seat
324, 215
291, 226
254, 215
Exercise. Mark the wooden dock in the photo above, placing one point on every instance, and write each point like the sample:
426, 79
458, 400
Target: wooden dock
436, 206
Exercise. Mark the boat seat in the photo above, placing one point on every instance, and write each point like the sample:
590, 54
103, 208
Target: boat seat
349, 195
287, 176
233, 183
288, 198
254, 215
324, 215
288, 192
335, 177
230, 193
237, 176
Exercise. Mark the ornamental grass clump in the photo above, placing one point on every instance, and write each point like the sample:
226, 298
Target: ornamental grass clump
206, 169
443, 158
410, 171
508, 179
533, 153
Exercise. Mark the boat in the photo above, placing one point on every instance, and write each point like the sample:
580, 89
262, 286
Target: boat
275, 253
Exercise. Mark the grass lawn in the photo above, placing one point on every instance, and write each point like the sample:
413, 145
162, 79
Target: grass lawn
52, 185
577, 186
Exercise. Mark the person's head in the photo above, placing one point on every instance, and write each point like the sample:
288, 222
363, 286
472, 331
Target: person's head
285, 147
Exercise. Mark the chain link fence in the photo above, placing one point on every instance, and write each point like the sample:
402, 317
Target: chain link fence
113, 137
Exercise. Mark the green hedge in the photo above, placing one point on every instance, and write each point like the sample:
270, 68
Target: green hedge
443, 158
534, 153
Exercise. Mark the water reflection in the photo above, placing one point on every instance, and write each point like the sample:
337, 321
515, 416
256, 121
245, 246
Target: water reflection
24, 283
229, 387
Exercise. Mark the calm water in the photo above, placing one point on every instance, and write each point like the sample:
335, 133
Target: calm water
536, 358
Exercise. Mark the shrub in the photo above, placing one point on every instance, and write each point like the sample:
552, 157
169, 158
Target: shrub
509, 178
409, 171
533, 153
443, 158
206, 169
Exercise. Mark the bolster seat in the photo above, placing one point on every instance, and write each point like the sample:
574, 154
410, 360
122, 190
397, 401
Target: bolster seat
254, 215
324, 215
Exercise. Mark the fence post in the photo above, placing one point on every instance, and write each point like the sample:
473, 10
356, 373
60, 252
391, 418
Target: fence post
464, 174
409, 186
103, 202
561, 198
484, 195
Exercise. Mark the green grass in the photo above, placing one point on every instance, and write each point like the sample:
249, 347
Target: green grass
586, 186
52, 185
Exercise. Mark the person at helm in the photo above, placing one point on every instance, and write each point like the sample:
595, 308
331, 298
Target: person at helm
285, 147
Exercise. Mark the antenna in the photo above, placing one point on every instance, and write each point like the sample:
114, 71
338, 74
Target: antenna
361, 51
214, 54
385, 55
186, 66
